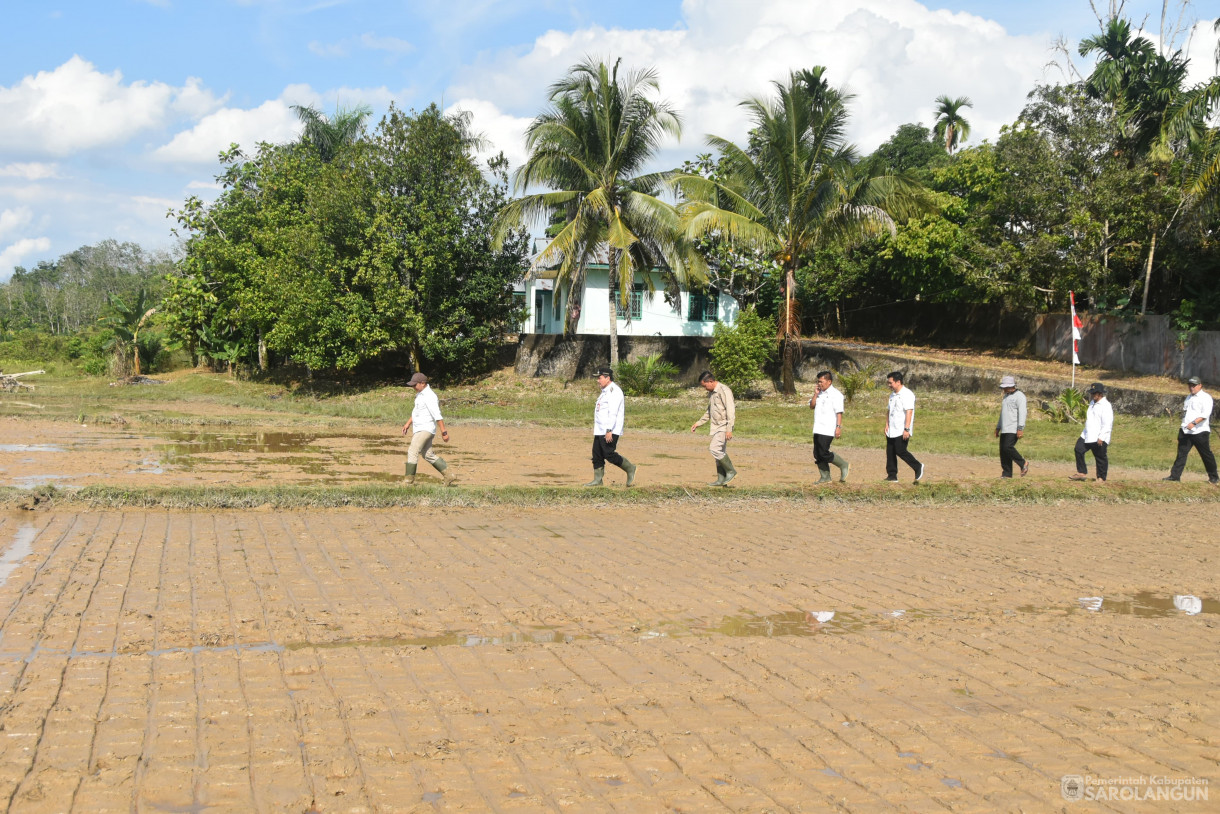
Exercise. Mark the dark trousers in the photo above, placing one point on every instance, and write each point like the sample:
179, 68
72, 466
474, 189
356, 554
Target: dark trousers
1200, 441
1101, 456
603, 451
822, 456
896, 448
1009, 454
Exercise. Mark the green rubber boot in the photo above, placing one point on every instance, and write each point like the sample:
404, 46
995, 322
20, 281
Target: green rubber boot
729, 471
443, 468
824, 469
843, 465
720, 473
409, 479
629, 468
597, 476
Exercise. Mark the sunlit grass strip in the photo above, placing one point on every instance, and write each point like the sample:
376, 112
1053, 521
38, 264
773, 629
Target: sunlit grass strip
379, 497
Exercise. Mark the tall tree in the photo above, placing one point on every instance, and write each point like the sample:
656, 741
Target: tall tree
951, 126
797, 186
330, 134
591, 146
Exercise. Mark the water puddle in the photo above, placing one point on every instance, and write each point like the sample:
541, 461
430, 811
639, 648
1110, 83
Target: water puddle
31, 448
1144, 604
451, 639
20, 547
30, 481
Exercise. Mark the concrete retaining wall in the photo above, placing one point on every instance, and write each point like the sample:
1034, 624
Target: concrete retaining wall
579, 356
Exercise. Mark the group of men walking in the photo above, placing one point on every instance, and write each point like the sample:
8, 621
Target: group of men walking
827, 403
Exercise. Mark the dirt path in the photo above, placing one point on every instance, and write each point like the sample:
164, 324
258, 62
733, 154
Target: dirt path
68, 454
619, 660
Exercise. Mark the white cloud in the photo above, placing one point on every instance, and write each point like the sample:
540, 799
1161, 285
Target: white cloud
210, 185
501, 131
272, 121
370, 42
12, 255
13, 219
897, 56
77, 107
30, 171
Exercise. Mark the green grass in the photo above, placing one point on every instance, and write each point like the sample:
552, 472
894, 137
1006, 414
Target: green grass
945, 423
374, 496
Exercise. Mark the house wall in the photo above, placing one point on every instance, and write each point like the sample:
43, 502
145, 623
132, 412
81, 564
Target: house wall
657, 318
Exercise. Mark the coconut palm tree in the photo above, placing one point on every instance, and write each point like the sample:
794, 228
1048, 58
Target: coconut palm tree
329, 135
951, 127
798, 185
590, 146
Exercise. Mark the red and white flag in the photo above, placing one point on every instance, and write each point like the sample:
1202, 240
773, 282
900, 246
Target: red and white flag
1076, 326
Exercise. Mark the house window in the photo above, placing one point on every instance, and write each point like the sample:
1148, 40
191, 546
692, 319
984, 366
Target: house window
636, 301
704, 307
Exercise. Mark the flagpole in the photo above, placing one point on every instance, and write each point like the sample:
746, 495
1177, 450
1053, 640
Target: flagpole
1076, 326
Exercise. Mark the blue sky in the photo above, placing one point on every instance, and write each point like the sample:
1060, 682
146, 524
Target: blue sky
112, 111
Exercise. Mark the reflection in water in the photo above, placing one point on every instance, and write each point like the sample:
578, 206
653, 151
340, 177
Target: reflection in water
30, 448
1144, 604
21, 546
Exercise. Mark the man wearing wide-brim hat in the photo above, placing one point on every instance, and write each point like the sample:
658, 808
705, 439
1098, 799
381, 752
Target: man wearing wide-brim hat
1095, 438
1011, 427
1195, 432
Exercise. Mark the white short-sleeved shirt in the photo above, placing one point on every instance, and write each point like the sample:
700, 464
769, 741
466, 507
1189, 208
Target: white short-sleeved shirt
426, 412
1098, 422
900, 402
829, 404
1198, 405
609, 411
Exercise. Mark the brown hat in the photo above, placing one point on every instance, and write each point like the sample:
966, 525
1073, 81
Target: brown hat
417, 378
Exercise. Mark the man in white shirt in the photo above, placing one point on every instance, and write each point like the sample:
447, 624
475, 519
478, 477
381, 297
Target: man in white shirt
426, 419
898, 426
1095, 438
827, 406
1195, 432
608, 415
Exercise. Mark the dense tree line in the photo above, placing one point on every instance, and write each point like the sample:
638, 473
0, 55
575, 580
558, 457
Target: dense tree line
337, 251
395, 245
71, 294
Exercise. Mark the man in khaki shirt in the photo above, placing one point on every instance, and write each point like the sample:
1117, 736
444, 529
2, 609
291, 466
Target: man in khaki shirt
722, 414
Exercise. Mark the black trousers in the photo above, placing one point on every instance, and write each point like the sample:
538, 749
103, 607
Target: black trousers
603, 451
896, 448
822, 456
1101, 456
1009, 454
1200, 441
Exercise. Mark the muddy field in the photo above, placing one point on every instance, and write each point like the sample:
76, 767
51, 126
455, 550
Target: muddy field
759, 658
756, 657
39, 452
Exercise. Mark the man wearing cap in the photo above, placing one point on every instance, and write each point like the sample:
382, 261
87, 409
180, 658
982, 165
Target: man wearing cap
608, 415
1098, 423
426, 418
1195, 432
1011, 427
722, 414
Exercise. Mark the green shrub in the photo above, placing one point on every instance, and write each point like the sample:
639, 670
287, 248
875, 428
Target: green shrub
648, 377
1069, 406
739, 353
860, 380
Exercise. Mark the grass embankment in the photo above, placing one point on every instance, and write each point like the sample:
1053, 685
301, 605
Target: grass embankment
380, 497
946, 423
